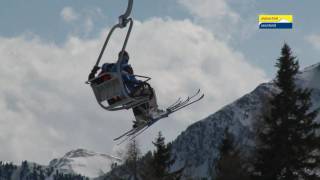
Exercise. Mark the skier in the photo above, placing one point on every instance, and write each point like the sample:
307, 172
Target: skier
144, 112
135, 87
130, 81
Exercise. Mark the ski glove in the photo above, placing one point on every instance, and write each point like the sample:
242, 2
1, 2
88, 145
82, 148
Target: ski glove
93, 72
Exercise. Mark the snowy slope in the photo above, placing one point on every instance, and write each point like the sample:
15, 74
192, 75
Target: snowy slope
84, 162
197, 147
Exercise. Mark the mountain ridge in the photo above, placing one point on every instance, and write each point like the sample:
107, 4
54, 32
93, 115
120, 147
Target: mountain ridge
84, 162
197, 147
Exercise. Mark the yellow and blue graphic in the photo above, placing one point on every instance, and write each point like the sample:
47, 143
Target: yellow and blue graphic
273, 21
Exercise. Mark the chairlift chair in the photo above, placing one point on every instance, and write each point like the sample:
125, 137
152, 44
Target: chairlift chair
115, 86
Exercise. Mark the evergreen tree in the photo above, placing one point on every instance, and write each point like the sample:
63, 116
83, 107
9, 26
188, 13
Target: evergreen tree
161, 157
289, 144
41, 175
132, 157
147, 171
49, 171
6, 170
61, 176
162, 160
24, 170
231, 164
34, 173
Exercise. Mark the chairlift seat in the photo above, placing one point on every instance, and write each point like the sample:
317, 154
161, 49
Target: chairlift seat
112, 88
107, 89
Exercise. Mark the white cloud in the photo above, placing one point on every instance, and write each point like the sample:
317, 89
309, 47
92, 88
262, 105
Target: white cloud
223, 17
46, 109
81, 21
314, 39
213, 9
68, 14
88, 25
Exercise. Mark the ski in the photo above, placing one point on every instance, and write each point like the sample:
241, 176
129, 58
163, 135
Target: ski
124, 134
178, 105
181, 107
129, 134
175, 103
181, 103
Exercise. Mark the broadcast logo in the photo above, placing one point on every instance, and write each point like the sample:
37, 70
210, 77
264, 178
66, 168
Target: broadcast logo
275, 21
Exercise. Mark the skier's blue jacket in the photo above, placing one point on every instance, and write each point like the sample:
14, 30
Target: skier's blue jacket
129, 79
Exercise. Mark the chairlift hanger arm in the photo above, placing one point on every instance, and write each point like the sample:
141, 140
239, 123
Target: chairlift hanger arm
123, 21
106, 43
129, 9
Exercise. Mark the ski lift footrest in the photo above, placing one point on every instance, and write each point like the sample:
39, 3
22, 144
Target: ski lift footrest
128, 103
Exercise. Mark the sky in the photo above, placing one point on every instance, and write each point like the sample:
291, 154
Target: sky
47, 49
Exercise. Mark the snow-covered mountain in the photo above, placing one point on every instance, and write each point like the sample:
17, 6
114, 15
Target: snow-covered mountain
197, 147
78, 164
84, 162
